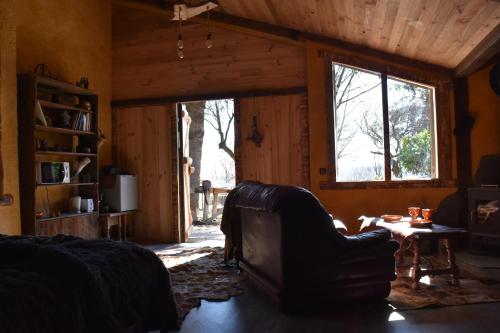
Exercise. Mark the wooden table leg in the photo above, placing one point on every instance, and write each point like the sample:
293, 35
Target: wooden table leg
124, 228
417, 273
107, 229
120, 228
215, 204
452, 266
400, 252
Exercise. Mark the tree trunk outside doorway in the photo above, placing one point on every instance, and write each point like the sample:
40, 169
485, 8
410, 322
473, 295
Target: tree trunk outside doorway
196, 134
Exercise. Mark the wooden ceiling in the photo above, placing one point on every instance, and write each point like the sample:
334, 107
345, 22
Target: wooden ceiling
456, 34
441, 32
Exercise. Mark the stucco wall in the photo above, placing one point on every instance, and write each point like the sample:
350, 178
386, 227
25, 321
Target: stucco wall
9, 215
484, 106
348, 205
73, 38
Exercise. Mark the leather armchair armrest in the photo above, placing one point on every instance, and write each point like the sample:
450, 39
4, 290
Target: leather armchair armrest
368, 239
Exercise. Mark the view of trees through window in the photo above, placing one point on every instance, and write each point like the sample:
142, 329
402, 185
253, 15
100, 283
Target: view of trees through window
359, 127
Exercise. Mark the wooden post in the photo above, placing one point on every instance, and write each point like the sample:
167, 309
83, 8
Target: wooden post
463, 127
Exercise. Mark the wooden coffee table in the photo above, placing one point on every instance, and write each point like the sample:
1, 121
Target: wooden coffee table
411, 238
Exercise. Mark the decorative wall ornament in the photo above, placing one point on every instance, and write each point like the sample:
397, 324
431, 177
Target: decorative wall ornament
256, 136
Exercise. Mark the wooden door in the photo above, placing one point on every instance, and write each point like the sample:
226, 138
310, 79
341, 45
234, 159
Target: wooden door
283, 155
145, 143
185, 170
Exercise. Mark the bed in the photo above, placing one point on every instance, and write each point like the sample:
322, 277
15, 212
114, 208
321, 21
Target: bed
67, 284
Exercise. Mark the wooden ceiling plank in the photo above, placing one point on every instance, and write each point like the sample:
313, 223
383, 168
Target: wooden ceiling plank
425, 50
437, 43
356, 13
452, 33
481, 55
410, 27
367, 11
330, 21
270, 31
471, 36
273, 13
400, 24
377, 25
424, 21
389, 21
314, 14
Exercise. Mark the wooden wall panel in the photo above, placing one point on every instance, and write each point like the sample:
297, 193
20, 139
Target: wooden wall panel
145, 62
142, 139
283, 157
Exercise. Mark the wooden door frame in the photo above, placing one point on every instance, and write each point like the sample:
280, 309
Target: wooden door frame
177, 140
180, 172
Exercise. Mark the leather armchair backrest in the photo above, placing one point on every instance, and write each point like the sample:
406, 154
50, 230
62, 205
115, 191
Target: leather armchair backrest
308, 236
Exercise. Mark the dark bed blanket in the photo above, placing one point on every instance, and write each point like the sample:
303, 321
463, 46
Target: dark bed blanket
66, 284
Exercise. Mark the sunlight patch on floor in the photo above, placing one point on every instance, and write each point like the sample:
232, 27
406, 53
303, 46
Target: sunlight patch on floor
395, 316
182, 259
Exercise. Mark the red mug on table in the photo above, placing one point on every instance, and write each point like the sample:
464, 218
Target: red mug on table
427, 213
414, 212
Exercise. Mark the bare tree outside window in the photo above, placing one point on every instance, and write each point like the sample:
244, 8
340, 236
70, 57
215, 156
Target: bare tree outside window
220, 115
359, 127
356, 92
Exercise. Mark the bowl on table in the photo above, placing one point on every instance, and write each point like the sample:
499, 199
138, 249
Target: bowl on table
391, 218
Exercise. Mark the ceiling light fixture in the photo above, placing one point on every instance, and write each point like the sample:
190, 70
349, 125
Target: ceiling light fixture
183, 12
180, 42
208, 42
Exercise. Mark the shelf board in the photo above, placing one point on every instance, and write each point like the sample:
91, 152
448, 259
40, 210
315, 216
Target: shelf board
63, 86
64, 216
52, 105
63, 153
62, 130
67, 184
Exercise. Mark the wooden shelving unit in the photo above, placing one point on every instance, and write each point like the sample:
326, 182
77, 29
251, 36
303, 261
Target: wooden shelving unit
62, 130
67, 184
52, 105
44, 219
53, 199
64, 153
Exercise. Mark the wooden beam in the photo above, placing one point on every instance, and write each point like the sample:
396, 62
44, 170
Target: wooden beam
464, 124
487, 49
192, 98
218, 20
272, 31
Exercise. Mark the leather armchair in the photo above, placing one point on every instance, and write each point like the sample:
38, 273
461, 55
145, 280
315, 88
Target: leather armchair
288, 244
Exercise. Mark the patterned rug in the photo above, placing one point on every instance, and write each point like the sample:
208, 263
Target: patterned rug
438, 291
200, 273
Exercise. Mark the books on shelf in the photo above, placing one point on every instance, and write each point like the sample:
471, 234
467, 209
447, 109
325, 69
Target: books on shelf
39, 114
82, 121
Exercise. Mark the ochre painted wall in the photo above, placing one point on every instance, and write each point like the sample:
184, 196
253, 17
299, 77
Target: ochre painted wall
484, 106
348, 205
9, 215
73, 38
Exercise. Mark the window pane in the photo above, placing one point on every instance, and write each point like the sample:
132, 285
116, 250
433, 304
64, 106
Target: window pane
411, 130
359, 138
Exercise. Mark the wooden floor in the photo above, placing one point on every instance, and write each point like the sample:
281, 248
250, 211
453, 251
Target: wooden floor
252, 312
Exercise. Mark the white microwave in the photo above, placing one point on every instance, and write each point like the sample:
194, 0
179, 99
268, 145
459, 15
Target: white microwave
52, 172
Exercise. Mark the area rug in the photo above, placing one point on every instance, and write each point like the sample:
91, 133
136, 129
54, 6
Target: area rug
438, 291
200, 273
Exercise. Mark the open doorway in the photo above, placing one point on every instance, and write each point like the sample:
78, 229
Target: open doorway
209, 172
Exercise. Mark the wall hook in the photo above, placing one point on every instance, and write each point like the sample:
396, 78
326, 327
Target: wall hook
256, 136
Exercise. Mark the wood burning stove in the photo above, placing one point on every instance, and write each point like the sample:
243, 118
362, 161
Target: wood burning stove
484, 219
484, 204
